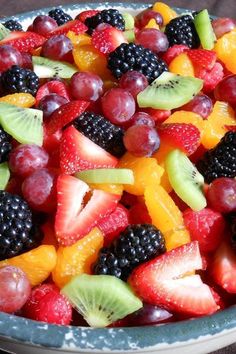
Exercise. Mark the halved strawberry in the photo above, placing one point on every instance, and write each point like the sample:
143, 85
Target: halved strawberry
86, 14
24, 41
173, 52
107, 38
54, 86
162, 282
202, 58
72, 220
80, 153
75, 26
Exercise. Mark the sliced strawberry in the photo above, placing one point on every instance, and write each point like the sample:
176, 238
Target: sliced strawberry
72, 220
75, 26
86, 14
24, 41
162, 282
173, 52
65, 114
51, 142
183, 136
202, 58
107, 38
80, 153
50, 87
211, 77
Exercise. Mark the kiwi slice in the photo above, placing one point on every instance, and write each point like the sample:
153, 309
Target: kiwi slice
185, 179
107, 175
129, 21
129, 35
4, 32
101, 299
46, 68
205, 30
23, 124
169, 91
4, 175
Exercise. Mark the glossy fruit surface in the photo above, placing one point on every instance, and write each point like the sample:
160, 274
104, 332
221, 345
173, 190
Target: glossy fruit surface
58, 47
221, 195
201, 104
226, 90
134, 82
9, 56
44, 24
49, 103
152, 39
86, 86
141, 140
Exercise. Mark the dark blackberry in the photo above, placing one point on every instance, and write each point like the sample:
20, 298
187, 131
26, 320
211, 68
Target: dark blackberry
181, 30
232, 222
111, 16
17, 233
135, 57
13, 25
137, 244
17, 79
101, 132
221, 160
59, 16
5, 145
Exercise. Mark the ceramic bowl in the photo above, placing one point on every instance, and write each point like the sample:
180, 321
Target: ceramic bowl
197, 336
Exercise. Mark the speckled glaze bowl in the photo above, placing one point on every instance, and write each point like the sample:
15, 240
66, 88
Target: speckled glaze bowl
198, 336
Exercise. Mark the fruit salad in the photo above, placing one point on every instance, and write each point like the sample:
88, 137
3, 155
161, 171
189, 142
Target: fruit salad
117, 166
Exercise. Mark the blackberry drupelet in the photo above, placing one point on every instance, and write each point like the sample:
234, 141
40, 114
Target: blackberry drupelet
17, 233
5, 145
59, 16
111, 16
13, 25
221, 160
101, 132
135, 57
136, 244
17, 79
181, 30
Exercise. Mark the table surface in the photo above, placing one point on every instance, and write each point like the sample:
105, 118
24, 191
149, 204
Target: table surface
216, 7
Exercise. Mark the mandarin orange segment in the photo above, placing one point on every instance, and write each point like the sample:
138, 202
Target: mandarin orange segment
152, 24
110, 188
37, 263
182, 65
166, 11
225, 49
162, 152
187, 117
165, 183
78, 258
79, 39
176, 238
24, 100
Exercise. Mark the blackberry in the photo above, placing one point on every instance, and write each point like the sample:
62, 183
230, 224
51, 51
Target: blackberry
59, 16
111, 16
136, 244
17, 79
5, 145
181, 30
17, 233
135, 57
221, 160
232, 222
13, 25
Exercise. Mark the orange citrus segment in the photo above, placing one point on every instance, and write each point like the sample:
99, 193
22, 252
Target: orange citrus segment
79, 39
225, 49
187, 117
182, 65
165, 183
24, 100
106, 187
166, 11
152, 24
176, 238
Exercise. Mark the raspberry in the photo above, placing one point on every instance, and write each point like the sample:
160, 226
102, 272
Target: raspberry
211, 77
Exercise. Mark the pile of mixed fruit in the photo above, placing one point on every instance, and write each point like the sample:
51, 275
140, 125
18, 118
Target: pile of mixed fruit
118, 167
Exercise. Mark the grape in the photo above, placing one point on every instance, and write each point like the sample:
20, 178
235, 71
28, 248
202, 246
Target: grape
141, 118
200, 104
49, 103
27, 61
134, 82
152, 39
145, 16
25, 159
222, 26
14, 289
9, 56
226, 90
141, 140
44, 24
86, 86
221, 195
149, 315
118, 105
58, 47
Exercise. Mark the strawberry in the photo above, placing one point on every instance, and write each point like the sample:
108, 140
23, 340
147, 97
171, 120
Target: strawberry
202, 58
173, 52
161, 282
51, 142
50, 87
211, 77
65, 114
231, 128
107, 38
47, 304
139, 214
80, 153
23, 41
205, 226
183, 136
158, 115
72, 221
75, 26
86, 14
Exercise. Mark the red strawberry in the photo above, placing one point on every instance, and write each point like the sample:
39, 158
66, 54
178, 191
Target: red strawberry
139, 214
210, 77
23, 41
202, 58
47, 304
162, 282
185, 137
50, 87
51, 142
107, 38
75, 26
205, 226
231, 128
72, 221
80, 153
65, 114
173, 52
86, 14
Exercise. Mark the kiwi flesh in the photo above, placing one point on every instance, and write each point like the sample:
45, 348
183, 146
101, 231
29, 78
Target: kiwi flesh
107, 175
185, 179
4, 175
129, 21
46, 68
169, 91
101, 299
23, 124
205, 30
4, 32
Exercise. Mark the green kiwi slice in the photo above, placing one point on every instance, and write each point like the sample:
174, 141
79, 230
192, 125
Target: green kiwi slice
46, 68
185, 179
205, 30
129, 35
129, 21
169, 91
23, 124
101, 299
4, 175
4, 32
107, 175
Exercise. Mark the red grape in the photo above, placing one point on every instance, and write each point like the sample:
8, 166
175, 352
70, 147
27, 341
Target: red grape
9, 56
86, 86
223, 25
27, 62
152, 39
134, 82
141, 118
226, 90
142, 19
58, 47
200, 104
221, 195
44, 24
50, 103
149, 315
14, 289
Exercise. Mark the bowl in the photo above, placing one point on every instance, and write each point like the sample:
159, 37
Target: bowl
201, 336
